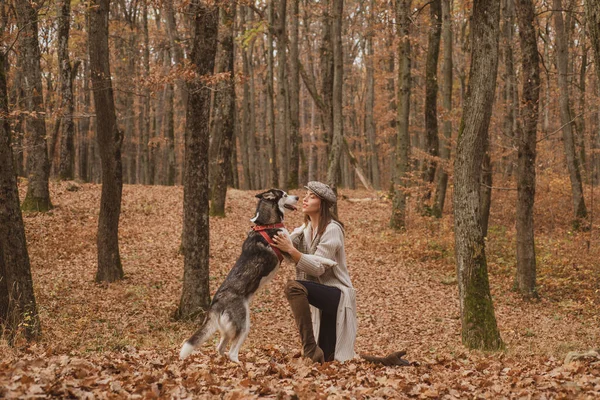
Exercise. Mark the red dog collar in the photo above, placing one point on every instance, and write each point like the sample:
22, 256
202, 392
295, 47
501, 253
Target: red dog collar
262, 228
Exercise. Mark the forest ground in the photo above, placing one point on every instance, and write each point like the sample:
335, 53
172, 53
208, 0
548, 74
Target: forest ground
119, 340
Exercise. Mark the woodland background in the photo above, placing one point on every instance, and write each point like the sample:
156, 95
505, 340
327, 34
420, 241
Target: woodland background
386, 101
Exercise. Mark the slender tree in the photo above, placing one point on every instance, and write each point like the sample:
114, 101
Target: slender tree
38, 165
562, 54
431, 91
110, 139
338, 81
223, 112
526, 141
593, 22
295, 138
66, 169
373, 156
479, 328
195, 296
446, 91
270, 98
17, 300
282, 98
402, 163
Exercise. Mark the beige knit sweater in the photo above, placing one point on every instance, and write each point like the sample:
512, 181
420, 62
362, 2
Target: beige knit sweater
324, 261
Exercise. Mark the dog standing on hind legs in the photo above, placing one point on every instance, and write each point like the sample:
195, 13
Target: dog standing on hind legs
229, 311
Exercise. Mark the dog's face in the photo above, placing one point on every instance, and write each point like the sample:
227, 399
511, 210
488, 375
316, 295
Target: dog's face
274, 200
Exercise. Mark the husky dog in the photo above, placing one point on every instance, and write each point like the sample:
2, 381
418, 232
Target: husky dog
229, 311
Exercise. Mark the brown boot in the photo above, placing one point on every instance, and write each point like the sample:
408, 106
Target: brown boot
389, 360
297, 296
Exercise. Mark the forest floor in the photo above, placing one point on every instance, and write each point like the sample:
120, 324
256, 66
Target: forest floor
119, 340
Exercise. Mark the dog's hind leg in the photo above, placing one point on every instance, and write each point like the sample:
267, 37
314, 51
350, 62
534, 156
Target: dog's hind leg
223, 343
208, 328
243, 329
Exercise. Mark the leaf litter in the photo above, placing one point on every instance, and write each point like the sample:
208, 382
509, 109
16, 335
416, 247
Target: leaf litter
120, 340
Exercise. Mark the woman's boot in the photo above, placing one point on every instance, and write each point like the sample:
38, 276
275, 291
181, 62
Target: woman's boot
297, 296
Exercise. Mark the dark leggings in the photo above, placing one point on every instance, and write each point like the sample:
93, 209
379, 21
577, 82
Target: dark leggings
325, 298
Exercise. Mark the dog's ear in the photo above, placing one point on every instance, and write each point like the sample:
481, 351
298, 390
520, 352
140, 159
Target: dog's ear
268, 195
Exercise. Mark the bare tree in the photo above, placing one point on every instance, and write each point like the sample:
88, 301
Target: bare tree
338, 81
373, 155
479, 328
295, 138
66, 169
402, 167
562, 54
446, 89
431, 91
17, 300
223, 112
195, 296
526, 141
38, 165
110, 139
593, 23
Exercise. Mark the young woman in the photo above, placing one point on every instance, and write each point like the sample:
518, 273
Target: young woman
322, 279
323, 284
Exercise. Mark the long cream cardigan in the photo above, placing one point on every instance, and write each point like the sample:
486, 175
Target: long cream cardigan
324, 260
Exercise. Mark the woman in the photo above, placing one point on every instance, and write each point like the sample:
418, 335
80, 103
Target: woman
322, 283
322, 279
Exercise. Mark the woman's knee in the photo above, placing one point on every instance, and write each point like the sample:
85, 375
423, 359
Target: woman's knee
294, 288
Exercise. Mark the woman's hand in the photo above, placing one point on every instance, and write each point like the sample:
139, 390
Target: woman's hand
283, 242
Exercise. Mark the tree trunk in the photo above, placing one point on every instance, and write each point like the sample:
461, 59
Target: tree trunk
246, 131
295, 139
526, 265
110, 139
66, 170
270, 99
446, 89
38, 165
510, 88
479, 328
562, 54
486, 191
282, 98
170, 166
17, 300
84, 125
402, 162
223, 112
338, 81
195, 296
373, 154
431, 90
326, 66
145, 173
593, 23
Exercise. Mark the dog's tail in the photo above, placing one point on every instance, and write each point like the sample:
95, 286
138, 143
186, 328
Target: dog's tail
208, 328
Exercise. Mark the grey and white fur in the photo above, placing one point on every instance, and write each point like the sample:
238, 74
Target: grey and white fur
229, 311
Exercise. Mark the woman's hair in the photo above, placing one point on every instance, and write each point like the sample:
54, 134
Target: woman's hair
326, 215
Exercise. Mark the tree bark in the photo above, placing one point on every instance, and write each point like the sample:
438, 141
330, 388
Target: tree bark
146, 175
38, 165
593, 23
270, 99
17, 300
282, 98
295, 139
338, 81
479, 328
195, 296
246, 131
431, 91
525, 277
223, 112
373, 154
110, 139
510, 82
446, 89
402, 162
66, 169
562, 54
